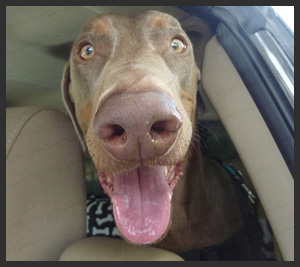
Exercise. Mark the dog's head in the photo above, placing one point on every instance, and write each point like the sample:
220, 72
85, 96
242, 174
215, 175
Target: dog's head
130, 89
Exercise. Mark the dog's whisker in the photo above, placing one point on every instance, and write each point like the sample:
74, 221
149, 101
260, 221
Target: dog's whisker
200, 140
196, 147
196, 140
196, 134
209, 130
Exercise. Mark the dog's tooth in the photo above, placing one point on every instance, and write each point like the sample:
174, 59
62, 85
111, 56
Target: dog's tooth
170, 195
166, 171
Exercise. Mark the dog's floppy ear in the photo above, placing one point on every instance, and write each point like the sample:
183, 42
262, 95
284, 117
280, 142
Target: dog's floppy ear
65, 85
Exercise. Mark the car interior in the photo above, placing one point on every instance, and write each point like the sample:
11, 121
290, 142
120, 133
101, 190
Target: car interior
52, 189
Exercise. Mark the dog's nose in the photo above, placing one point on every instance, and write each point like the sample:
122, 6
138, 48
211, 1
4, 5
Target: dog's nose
138, 126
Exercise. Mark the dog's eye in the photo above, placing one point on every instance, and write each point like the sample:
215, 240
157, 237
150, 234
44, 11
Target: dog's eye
177, 46
87, 52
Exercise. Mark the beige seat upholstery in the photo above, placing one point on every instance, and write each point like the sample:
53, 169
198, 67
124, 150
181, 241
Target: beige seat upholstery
46, 197
45, 190
111, 249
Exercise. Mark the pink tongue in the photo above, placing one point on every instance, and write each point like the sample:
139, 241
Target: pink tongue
141, 204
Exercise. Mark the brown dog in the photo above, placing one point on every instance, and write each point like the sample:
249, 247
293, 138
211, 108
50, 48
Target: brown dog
130, 89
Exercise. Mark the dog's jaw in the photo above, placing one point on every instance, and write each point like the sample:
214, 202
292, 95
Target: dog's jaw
142, 200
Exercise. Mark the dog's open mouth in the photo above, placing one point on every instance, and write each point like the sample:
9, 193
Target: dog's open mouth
142, 200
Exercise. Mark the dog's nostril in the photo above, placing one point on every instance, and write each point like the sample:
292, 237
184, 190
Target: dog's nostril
116, 136
170, 125
110, 132
158, 127
165, 128
117, 130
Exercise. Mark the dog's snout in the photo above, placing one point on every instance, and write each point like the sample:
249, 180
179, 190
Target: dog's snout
138, 126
